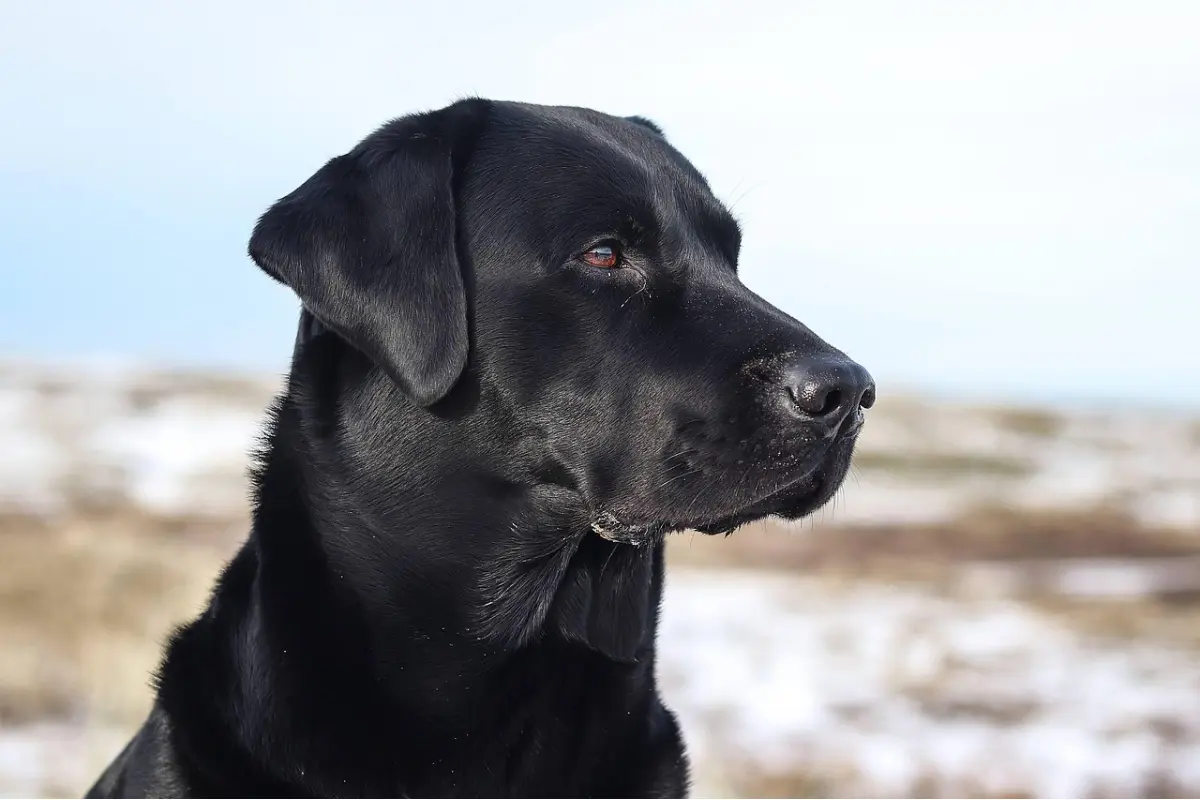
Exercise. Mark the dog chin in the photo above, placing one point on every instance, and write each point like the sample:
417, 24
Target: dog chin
796, 501
795, 504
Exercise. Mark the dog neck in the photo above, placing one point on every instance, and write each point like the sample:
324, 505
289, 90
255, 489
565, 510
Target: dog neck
426, 551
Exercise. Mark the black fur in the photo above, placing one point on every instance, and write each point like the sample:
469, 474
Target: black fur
452, 582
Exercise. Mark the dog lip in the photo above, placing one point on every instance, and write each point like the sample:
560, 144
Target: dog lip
849, 433
852, 428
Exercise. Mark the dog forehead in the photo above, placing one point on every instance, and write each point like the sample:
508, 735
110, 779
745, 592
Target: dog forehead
543, 142
530, 150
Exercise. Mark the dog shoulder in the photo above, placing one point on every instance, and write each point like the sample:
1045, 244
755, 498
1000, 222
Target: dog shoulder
147, 767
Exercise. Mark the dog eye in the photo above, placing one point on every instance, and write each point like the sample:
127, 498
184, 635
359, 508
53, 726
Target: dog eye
605, 256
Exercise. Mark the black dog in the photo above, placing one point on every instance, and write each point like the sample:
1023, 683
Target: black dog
525, 357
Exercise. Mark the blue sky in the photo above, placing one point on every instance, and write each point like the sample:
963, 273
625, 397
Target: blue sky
987, 199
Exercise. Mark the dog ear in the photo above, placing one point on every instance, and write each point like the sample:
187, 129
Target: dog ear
368, 244
646, 123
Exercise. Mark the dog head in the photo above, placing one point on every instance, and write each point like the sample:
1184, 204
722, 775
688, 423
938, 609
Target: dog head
577, 271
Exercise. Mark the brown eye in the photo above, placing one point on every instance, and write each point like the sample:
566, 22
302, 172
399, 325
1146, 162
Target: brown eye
605, 256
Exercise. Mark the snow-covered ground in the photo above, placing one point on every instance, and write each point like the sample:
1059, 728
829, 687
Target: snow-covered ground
168, 443
843, 687
881, 691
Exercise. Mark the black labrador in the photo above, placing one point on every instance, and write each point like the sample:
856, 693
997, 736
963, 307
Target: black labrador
524, 358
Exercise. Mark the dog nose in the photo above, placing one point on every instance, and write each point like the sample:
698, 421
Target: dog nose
829, 391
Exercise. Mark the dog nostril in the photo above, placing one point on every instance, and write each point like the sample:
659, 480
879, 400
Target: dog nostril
833, 402
829, 392
817, 402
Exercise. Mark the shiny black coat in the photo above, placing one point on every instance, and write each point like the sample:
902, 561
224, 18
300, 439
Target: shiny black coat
452, 583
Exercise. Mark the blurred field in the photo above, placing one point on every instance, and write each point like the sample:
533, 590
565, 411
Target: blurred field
1001, 601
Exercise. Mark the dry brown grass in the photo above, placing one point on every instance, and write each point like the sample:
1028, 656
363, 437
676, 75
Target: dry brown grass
86, 604
755, 782
943, 466
985, 534
1035, 423
152, 388
811, 782
1163, 619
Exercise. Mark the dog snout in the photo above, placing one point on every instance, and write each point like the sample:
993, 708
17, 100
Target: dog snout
826, 392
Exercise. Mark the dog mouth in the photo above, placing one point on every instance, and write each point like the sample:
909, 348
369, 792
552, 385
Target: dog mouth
794, 500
